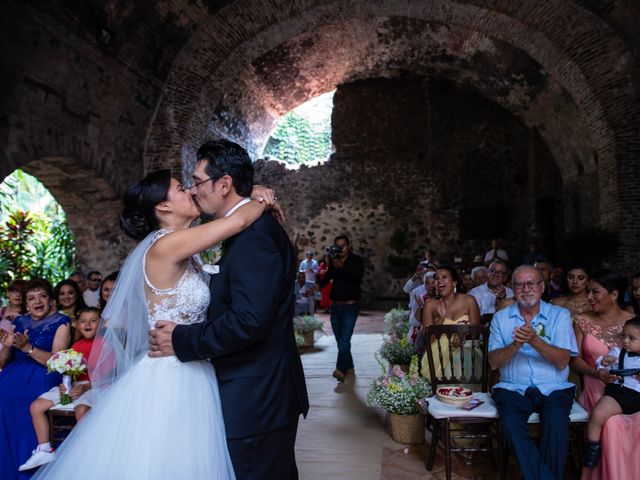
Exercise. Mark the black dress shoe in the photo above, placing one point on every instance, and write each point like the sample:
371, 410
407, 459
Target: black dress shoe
591, 455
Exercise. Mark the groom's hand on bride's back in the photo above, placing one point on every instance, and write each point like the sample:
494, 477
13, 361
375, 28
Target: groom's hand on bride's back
160, 339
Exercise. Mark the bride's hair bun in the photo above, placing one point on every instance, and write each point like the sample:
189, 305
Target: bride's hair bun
138, 217
134, 224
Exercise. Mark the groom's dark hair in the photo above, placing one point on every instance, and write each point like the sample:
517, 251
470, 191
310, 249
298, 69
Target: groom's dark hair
225, 157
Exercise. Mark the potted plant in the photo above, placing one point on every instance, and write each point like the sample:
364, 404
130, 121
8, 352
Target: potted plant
398, 393
397, 321
305, 325
398, 351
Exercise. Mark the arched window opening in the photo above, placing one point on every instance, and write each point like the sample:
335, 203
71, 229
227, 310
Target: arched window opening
303, 136
35, 239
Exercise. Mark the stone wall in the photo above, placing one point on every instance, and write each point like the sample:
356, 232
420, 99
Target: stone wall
444, 165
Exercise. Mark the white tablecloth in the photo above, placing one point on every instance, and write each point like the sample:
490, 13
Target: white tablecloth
439, 409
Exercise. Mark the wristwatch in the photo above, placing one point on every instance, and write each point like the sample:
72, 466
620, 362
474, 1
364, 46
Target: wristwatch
30, 351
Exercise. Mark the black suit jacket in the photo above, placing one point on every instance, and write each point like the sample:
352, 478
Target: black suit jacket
249, 332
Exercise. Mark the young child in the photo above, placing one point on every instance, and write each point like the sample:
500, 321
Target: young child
87, 325
622, 397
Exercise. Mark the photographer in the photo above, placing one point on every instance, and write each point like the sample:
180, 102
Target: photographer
346, 269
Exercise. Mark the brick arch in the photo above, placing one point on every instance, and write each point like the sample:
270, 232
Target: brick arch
92, 208
577, 49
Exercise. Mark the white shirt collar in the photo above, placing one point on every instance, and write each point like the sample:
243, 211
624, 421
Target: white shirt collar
242, 202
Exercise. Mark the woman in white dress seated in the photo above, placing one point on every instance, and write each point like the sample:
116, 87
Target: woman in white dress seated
155, 418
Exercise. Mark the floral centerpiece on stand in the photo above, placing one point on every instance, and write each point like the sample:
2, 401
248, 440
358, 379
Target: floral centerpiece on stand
398, 393
305, 325
71, 365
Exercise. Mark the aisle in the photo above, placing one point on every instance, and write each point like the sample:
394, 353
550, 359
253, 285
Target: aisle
343, 438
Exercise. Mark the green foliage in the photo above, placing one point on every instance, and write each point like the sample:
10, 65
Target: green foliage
306, 323
398, 392
397, 350
36, 243
297, 141
397, 322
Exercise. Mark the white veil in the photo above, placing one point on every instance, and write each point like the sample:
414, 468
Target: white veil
123, 332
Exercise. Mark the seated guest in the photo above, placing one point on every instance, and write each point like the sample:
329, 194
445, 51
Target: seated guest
479, 275
531, 342
302, 294
576, 300
68, 301
597, 332
493, 295
418, 297
80, 279
621, 396
546, 267
467, 283
69, 298
36, 337
15, 308
414, 281
91, 295
106, 288
532, 255
88, 320
634, 306
557, 285
450, 309
495, 253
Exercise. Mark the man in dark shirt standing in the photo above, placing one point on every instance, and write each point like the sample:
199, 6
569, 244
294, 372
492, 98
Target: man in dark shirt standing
346, 269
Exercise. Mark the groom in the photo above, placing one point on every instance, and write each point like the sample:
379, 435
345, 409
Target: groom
249, 332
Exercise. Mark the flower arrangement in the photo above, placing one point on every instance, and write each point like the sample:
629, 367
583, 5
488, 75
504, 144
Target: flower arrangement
397, 350
540, 331
70, 364
397, 320
299, 340
306, 323
398, 392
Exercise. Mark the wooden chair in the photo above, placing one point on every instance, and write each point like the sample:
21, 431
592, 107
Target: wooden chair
61, 422
441, 341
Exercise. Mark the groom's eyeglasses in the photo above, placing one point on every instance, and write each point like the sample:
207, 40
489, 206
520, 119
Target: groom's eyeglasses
193, 185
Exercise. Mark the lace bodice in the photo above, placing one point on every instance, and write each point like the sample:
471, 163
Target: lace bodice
186, 302
609, 336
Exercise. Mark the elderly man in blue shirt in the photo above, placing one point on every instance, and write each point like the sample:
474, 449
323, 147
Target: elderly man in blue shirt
531, 342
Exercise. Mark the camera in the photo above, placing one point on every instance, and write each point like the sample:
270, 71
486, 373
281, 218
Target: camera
333, 250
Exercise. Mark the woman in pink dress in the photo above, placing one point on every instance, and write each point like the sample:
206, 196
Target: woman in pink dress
596, 333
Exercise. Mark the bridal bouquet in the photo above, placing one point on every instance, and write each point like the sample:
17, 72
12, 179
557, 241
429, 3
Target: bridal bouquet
70, 364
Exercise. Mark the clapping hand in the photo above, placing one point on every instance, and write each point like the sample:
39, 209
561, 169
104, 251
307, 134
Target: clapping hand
20, 340
6, 338
524, 334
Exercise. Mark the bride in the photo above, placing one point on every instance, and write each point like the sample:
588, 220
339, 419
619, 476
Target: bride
155, 418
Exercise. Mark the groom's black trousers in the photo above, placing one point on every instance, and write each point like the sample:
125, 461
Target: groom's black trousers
265, 457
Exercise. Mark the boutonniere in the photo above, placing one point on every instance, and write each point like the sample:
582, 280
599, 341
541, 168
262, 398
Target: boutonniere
540, 331
211, 257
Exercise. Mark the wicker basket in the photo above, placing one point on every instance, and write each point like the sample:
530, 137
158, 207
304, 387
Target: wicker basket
308, 339
407, 428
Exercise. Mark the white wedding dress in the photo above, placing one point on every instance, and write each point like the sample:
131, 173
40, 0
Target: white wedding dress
162, 419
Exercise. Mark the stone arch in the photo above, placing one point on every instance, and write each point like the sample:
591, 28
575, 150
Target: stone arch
588, 61
92, 208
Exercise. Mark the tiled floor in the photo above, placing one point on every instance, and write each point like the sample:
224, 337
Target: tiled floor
343, 438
